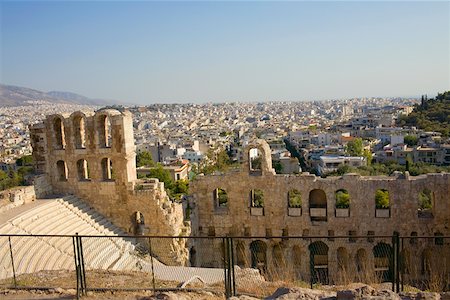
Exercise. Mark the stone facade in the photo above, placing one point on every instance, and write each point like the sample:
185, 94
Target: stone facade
92, 155
317, 216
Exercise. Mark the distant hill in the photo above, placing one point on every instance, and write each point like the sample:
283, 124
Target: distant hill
16, 96
430, 115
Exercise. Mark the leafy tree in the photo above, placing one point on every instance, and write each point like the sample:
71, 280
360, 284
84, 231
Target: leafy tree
26, 160
276, 164
181, 187
295, 198
382, 199
256, 163
425, 200
222, 198
258, 198
368, 155
342, 199
355, 147
144, 159
162, 174
411, 140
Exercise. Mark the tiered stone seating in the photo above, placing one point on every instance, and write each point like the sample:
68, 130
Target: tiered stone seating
68, 216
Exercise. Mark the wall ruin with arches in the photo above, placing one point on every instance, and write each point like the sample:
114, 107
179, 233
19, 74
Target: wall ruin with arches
318, 215
92, 155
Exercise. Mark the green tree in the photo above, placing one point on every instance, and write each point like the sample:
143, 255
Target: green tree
425, 200
342, 199
26, 160
276, 164
355, 147
368, 155
411, 140
382, 199
144, 159
295, 198
162, 174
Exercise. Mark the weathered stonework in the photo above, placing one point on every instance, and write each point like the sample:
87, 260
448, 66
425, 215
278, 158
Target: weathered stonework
92, 155
237, 219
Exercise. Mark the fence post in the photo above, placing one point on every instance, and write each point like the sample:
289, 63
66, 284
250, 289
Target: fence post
233, 276
151, 262
12, 261
395, 262
225, 268
74, 242
83, 271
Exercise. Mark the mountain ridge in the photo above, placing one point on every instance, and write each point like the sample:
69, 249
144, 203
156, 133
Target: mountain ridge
11, 95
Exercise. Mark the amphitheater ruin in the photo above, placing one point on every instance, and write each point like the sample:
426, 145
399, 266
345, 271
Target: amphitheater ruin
89, 158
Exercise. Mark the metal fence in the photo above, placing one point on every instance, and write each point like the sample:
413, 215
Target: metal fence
223, 265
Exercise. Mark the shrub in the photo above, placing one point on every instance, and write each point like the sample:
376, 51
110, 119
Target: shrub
295, 199
342, 199
382, 199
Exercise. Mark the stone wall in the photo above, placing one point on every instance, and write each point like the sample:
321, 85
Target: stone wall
92, 155
16, 196
276, 219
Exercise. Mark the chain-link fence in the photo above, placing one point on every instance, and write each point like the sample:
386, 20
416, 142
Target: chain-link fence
223, 265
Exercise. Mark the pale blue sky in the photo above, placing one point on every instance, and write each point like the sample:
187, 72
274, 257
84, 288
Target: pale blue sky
147, 52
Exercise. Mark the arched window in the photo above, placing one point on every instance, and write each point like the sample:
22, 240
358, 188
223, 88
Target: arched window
425, 204
61, 170
318, 205
79, 125
58, 129
104, 131
255, 161
107, 170
82, 169
220, 198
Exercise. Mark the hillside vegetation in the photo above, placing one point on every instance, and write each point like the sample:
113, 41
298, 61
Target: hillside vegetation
430, 115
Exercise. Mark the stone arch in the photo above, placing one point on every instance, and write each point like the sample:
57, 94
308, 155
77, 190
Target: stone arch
278, 257
425, 261
58, 133
318, 252
241, 257
342, 259
107, 169
361, 261
296, 257
82, 169
258, 250
61, 169
265, 165
220, 198
79, 130
382, 253
139, 221
318, 205
193, 257
104, 130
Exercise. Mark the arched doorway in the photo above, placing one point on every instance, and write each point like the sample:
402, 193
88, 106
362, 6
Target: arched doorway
258, 250
318, 254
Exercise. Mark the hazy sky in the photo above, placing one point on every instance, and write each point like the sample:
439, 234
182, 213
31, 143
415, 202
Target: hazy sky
146, 52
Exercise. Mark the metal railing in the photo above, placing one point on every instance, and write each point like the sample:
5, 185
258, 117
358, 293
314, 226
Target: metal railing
223, 265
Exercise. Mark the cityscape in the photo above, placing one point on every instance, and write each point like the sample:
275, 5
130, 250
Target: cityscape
224, 150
